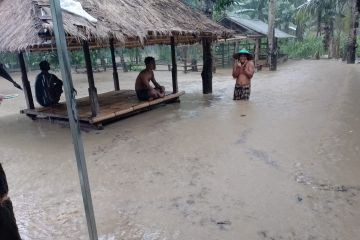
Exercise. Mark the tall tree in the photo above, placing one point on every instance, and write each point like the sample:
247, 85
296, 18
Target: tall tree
271, 36
354, 24
209, 7
327, 12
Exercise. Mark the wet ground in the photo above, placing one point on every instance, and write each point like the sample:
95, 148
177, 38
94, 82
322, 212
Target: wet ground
284, 165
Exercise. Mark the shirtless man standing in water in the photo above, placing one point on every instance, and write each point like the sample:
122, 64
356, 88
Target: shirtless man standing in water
143, 89
243, 72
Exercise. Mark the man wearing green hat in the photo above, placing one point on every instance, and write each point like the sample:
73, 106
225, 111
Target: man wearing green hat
243, 72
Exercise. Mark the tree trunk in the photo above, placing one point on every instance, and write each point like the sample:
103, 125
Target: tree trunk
351, 48
299, 33
271, 36
319, 18
208, 8
337, 47
287, 27
260, 10
326, 40
331, 40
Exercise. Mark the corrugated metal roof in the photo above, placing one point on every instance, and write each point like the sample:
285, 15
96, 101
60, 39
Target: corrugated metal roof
258, 26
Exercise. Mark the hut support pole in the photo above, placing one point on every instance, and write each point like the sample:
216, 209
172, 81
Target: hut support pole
94, 101
208, 65
257, 50
25, 82
174, 66
115, 72
73, 116
223, 55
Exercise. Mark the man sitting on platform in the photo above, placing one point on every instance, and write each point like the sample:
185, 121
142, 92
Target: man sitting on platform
143, 89
48, 88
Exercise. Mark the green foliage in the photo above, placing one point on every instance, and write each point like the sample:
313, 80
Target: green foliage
165, 53
34, 58
77, 58
10, 59
310, 47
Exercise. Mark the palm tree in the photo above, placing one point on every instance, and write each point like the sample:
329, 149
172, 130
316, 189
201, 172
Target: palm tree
255, 9
351, 50
326, 13
271, 35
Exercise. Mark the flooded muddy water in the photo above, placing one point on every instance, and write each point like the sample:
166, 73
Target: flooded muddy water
282, 166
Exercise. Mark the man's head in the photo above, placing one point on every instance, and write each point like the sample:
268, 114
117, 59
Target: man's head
44, 66
243, 58
150, 63
243, 55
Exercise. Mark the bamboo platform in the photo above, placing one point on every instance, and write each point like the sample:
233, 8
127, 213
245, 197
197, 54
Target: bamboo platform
113, 105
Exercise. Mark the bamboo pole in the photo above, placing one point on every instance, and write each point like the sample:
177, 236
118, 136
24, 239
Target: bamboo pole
64, 61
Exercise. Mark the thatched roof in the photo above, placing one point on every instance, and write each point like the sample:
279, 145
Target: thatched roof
27, 24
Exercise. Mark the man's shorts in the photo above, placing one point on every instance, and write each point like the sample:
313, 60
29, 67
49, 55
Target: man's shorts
142, 95
242, 92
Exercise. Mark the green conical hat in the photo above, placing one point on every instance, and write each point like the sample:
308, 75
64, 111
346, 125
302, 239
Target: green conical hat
244, 52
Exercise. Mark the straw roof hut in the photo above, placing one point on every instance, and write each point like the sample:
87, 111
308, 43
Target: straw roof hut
27, 24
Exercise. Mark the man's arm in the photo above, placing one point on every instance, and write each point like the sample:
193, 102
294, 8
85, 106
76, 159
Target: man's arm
249, 69
56, 79
156, 84
236, 70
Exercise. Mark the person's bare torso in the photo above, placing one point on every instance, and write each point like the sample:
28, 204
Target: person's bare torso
145, 75
243, 79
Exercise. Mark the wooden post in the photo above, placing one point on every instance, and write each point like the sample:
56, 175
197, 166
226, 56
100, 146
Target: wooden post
174, 66
237, 46
271, 35
223, 55
228, 54
25, 82
94, 101
115, 72
354, 24
185, 58
137, 56
208, 65
257, 50
274, 56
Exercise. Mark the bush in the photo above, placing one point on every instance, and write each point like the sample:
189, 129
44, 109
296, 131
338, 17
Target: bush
310, 47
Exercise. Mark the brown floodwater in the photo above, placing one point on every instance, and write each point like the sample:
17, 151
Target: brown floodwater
284, 165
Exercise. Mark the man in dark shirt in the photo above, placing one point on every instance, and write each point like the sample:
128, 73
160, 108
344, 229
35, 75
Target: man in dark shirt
48, 88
